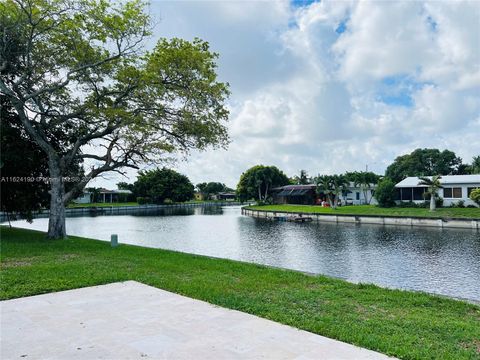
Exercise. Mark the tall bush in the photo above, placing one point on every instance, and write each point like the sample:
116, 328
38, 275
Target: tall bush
385, 193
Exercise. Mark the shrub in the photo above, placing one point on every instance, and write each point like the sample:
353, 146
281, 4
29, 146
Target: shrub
143, 200
410, 204
385, 193
439, 202
475, 196
458, 204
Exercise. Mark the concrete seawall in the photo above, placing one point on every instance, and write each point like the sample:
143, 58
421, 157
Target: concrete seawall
458, 223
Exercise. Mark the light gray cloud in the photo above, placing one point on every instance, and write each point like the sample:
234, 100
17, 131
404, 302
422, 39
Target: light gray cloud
336, 86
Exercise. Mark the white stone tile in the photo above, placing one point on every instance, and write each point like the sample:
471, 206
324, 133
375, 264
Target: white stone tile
130, 320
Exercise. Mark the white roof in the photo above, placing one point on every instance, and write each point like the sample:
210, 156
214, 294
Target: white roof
412, 181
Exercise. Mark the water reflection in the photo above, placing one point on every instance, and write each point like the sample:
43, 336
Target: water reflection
444, 261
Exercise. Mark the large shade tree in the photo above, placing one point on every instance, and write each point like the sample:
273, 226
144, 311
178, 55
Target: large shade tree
258, 181
424, 162
23, 188
161, 184
78, 77
24, 168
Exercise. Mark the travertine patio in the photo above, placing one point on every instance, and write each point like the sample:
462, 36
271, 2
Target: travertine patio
131, 320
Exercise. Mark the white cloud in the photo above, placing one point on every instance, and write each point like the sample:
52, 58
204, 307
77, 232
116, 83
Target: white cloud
306, 95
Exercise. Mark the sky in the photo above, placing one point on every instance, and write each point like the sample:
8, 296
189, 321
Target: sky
333, 86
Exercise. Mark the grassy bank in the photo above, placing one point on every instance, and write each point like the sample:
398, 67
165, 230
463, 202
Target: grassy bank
374, 210
404, 324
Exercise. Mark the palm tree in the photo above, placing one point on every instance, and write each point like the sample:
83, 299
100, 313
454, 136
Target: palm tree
433, 185
476, 165
366, 181
324, 185
339, 185
332, 187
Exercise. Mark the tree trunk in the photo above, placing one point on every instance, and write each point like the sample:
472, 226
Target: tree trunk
367, 200
56, 221
432, 202
330, 200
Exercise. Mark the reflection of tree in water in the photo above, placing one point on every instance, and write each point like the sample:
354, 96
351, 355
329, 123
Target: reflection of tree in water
167, 211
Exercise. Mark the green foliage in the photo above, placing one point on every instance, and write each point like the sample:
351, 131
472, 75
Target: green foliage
124, 186
160, 185
475, 196
256, 182
385, 193
332, 186
125, 197
475, 166
423, 162
302, 178
211, 188
23, 166
82, 69
459, 204
433, 185
94, 194
366, 181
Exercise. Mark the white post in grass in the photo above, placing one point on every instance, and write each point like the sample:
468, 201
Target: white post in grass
114, 240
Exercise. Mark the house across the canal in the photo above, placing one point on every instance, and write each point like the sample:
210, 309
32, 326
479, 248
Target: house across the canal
225, 196
307, 195
455, 188
103, 196
296, 194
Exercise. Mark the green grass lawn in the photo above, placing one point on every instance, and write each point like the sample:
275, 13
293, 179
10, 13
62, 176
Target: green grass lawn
102, 204
404, 324
374, 210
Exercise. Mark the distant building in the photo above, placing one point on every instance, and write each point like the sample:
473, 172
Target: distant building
307, 195
104, 196
85, 198
111, 196
296, 194
454, 188
225, 196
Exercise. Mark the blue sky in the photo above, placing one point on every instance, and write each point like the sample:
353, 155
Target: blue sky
301, 3
351, 83
398, 90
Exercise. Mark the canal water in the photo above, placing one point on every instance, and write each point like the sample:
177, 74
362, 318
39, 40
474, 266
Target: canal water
442, 261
